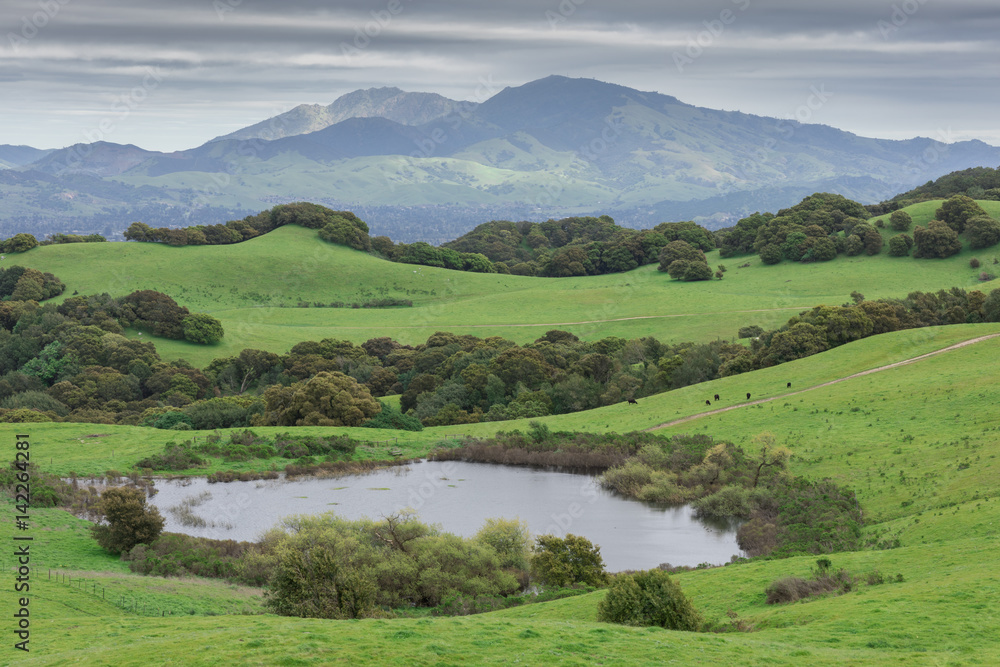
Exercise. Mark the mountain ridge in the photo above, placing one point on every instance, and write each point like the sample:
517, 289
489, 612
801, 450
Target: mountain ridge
391, 103
549, 148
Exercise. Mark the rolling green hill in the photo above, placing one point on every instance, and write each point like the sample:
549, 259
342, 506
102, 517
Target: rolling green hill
253, 288
917, 442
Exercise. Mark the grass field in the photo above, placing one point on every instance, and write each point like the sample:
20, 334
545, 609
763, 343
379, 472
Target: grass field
945, 514
244, 284
918, 443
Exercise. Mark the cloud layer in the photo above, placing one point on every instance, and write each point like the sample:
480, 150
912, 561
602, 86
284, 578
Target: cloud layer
171, 75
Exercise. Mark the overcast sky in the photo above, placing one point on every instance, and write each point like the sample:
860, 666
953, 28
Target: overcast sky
169, 75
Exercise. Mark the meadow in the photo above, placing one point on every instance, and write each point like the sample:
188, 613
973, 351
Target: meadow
254, 287
918, 443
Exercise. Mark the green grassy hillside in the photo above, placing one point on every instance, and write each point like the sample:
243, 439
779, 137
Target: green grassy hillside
933, 491
91, 449
243, 285
917, 442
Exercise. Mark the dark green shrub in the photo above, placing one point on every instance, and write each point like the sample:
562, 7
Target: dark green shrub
751, 331
174, 420
174, 457
566, 561
649, 598
391, 417
127, 520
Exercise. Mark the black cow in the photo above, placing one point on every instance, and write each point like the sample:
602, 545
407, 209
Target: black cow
748, 397
716, 397
708, 402
632, 401
789, 385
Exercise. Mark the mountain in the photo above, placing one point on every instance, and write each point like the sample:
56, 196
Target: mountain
98, 159
18, 156
390, 103
422, 167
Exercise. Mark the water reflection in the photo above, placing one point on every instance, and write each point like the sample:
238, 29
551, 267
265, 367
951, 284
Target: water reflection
459, 497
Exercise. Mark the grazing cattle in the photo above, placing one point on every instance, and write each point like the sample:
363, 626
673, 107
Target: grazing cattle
708, 402
789, 385
632, 401
748, 397
716, 397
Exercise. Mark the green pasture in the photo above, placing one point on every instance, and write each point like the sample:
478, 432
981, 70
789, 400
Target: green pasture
941, 613
253, 288
92, 449
918, 444
945, 514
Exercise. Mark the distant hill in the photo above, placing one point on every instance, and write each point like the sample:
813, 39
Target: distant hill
98, 159
17, 156
418, 167
390, 103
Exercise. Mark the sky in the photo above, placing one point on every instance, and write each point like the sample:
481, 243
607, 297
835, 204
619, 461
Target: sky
171, 74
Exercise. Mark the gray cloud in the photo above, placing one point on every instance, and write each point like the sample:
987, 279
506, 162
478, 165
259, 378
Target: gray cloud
896, 68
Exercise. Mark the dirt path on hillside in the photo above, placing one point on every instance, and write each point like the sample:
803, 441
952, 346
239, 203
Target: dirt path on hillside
912, 360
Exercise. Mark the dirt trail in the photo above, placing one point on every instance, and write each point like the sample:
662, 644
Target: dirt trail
921, 357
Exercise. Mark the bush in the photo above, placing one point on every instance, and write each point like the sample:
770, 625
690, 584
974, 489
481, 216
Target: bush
649, 598
899, 245
751, 331
202, 328
628, 479
173, 420
391, 417
791, 589
900, 221
566, 561
983, 232
176, 457
729, 501
174, 554
937, 240
510, 539
974, 263
128, 521
771, 254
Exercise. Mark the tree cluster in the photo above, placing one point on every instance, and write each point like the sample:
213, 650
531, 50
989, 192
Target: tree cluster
18, 283
58, 239
817, 229
342, 225
576, 246
977, 183
18, 243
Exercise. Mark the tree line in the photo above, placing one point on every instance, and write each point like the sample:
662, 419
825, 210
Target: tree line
824, 226
73, 362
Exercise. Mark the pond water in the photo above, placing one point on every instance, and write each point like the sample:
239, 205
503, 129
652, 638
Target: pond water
460, 497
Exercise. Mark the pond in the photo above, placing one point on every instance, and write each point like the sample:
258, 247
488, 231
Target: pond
459, 497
